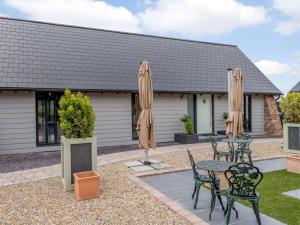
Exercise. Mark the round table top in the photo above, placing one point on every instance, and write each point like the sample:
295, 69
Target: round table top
214, 165
236, 140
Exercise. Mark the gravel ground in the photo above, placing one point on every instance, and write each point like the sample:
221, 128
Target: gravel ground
16, 162
121, 202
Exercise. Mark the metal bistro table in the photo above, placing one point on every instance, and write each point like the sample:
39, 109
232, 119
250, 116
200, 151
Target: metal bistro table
238, 141
212, 167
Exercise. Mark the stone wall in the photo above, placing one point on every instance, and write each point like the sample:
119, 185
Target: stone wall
273, 124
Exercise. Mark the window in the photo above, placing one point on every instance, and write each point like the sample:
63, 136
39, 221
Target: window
47, 124
247, 113
135, 113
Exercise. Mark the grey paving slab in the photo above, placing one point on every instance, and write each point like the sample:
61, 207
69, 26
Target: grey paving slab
159, 166
133, 163
271, 164
142, 168
178, 186
294, 193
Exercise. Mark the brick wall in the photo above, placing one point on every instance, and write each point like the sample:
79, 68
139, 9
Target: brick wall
273, 124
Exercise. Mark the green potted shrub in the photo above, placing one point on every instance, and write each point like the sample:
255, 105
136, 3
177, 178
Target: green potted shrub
225, 117
78, 145
188, 136
290, 106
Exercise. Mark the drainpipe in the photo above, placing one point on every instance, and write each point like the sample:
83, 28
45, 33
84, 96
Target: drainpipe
229, 77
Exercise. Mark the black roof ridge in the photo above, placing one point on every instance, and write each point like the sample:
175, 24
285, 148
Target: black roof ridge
113, 31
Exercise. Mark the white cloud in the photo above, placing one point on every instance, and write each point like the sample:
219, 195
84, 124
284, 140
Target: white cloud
206, 17
284, 75
90, 13
273, 67
291, 9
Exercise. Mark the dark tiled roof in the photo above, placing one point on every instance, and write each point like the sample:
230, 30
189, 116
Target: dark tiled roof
296, 88
36, 55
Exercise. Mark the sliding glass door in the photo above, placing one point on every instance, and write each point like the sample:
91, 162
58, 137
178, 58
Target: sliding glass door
48, 131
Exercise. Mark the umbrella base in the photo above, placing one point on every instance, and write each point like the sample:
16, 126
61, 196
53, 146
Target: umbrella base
147, 163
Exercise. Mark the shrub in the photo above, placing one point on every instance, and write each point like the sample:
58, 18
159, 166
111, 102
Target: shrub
188, 124
77, 117
225, 115
290, 106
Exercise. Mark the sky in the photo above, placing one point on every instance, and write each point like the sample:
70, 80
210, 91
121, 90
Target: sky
267, 31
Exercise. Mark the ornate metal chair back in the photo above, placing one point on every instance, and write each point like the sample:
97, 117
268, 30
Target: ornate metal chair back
245, 136
192, 164
243, 179
214, 144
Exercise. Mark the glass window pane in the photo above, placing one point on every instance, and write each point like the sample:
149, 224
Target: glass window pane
41, 127
135, 112
51, 121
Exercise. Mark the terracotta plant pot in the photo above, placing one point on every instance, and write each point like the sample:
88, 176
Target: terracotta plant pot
293, 164
86, 185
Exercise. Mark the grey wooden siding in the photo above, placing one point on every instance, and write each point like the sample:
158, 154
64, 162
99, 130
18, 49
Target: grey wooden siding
168, 109
221, 106
113, 119
17, 123
258, 121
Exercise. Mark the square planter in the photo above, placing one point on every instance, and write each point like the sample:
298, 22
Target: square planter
186, 139
77, 155
86, 185
293, 164
291, 137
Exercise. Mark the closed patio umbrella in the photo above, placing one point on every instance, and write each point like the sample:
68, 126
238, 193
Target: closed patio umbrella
236, 97
145, 122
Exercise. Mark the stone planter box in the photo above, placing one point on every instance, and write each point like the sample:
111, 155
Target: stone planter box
293, 164
77, 155
291, 137
186, 139
86, 185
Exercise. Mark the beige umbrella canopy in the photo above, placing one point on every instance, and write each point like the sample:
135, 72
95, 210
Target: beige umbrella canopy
236, 97
145, 122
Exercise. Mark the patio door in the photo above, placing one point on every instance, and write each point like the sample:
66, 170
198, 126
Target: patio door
204, 113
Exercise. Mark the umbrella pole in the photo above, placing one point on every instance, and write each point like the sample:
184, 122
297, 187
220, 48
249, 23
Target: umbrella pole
146, 162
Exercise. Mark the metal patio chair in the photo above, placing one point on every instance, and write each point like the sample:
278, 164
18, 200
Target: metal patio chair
217, 153
244, 149
243, 179
199, 179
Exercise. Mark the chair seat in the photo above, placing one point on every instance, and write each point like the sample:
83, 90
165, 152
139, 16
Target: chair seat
224, 153
205, 178
242, 197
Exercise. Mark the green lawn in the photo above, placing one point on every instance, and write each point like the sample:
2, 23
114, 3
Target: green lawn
273, 203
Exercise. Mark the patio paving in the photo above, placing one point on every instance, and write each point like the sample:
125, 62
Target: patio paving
178, 186
294, 193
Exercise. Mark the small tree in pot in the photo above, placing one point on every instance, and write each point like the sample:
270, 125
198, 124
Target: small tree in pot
78, 145
290, 106
188, 137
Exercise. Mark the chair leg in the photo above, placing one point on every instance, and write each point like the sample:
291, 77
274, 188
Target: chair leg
197, 195
212, 201
226, 158
217, 190
214, 156
194, 191
250, 158
256, 210
236, 212
230, 202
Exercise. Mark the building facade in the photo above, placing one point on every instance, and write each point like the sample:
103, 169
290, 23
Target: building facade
39, 60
